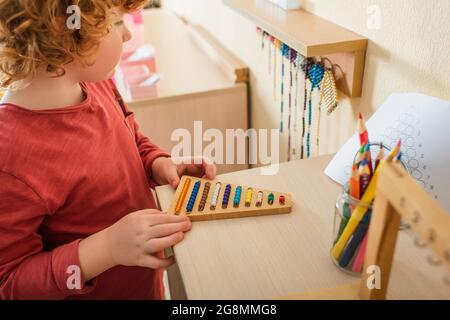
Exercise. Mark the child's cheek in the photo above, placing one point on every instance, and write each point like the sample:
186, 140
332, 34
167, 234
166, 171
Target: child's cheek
108, 55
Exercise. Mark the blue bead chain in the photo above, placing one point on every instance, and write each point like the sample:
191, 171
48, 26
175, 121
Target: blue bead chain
316, 74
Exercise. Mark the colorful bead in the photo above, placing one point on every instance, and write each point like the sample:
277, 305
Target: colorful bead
329, 98
291, 53
248, 197
193, 197
298, 62
305, 66
284, 54
329, 93
237, 197
271, 199
259, 199
202, 204
183, 194
275, 60
282, 200
226, 196
315, 74
215, 196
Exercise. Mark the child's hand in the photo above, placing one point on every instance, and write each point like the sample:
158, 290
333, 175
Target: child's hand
169, 171
134, 239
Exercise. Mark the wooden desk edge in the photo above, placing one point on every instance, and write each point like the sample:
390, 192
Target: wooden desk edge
184, 96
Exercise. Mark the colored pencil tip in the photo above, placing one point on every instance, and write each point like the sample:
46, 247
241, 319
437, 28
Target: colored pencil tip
360, 116
363, 148
367, 148
399, 143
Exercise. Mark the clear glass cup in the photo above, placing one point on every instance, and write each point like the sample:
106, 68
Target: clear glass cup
351, 258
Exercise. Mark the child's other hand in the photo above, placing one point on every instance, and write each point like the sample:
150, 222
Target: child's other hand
169, 171
135, 239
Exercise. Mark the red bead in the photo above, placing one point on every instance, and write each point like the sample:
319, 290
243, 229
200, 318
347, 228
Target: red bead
282, 200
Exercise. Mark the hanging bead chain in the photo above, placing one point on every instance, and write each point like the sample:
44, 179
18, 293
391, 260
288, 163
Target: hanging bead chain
315, 73
284, 55
329, 94
292, 57
306, 65
297, 70
328, 98
319, 78
271, 47
282, 94
302, 150
277, 45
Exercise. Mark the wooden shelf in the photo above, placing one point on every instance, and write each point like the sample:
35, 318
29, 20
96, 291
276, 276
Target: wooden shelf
311, 36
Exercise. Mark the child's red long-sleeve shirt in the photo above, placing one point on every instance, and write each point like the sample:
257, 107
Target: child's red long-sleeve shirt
66, 174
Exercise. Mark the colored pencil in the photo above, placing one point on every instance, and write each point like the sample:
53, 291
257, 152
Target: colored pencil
355, 184
395, 152
368, 156
346, 214
360, 211
380, 156
398, 158
355, 241
363, 133
359, 260
360, 155
347, 208
364, 176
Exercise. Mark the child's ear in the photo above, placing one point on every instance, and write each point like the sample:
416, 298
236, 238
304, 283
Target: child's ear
126, 34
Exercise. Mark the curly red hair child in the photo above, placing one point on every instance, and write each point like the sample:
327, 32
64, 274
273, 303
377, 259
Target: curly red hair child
77, 216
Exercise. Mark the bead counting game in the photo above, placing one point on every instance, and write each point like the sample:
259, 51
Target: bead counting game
202, 199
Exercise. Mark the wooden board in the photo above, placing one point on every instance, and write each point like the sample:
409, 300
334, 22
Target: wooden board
399, 197
307, 33
243, 210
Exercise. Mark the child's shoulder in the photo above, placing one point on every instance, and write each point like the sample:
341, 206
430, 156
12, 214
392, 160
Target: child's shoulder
102, 88
23, 131
19, 131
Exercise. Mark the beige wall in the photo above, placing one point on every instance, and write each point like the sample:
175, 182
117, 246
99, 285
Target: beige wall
410, 52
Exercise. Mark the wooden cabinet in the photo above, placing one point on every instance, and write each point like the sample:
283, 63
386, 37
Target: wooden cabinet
201, 81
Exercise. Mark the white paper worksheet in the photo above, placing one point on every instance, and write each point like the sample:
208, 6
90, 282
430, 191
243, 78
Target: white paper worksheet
423, 124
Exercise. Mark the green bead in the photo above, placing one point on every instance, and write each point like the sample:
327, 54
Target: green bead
271, 198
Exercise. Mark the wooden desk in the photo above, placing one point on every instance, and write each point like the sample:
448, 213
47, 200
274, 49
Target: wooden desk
277, 256
199, 82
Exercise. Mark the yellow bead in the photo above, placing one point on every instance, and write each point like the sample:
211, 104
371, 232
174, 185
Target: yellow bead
248, 197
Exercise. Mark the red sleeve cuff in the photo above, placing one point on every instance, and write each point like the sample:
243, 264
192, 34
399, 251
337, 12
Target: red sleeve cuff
67, 271
149, 164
